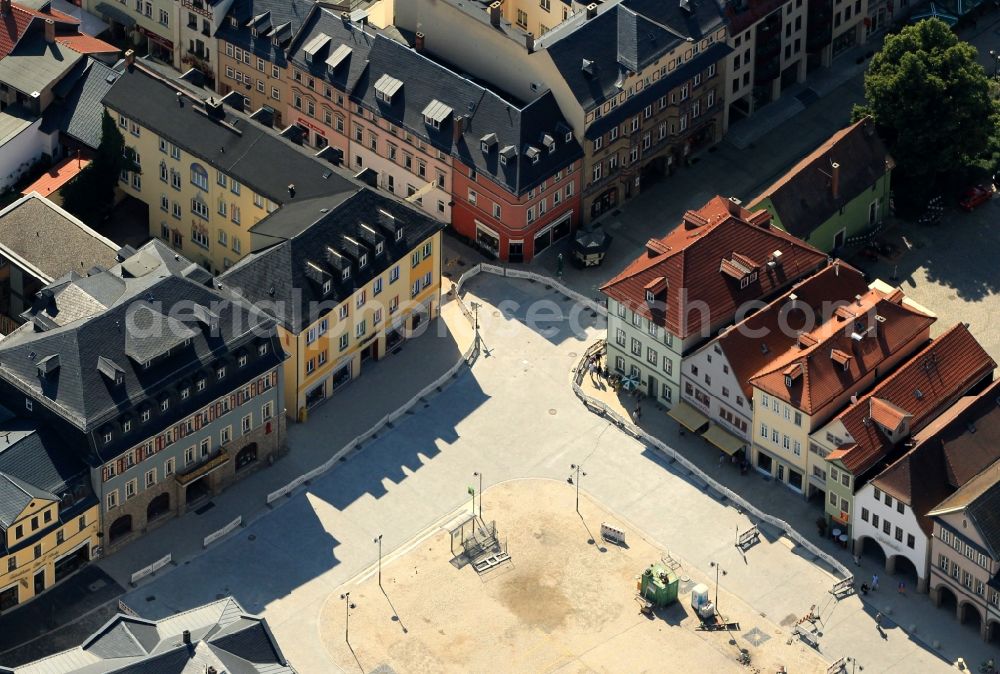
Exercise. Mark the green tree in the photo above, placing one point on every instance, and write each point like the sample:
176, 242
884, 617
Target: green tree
932, 103
91, 195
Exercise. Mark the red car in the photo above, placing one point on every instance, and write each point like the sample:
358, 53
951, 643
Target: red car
975, 196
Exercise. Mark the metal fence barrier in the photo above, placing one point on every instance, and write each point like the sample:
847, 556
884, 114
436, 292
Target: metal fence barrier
216, 535
151, 569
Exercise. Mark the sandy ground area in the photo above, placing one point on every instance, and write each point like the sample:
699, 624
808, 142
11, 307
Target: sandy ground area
561, 604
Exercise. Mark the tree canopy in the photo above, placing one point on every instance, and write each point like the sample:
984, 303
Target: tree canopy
91, 194
932, 102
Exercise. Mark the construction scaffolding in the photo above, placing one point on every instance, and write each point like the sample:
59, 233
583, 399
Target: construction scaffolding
475, 542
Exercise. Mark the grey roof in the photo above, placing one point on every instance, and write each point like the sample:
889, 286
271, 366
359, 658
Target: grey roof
78, 114
81, 395
290, 275
36, 65
50, 240
627, 37
281, 18
13, 121
430, 89
242, 148
37, 463
222, 635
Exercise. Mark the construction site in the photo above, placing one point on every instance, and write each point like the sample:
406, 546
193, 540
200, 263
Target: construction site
539, 587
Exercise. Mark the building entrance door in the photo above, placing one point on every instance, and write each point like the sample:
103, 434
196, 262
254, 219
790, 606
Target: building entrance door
39, 582
651, 387
781, 472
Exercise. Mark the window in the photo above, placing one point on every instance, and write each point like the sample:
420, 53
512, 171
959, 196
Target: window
886, 527
225, 435
763, 431
130, 488
875, 520
620, 337
247, 422
636, 347
168, 467
472, 196
900, 507
833, 500
199, 176
888, 500
651, 356
864, 514
150, 478
343, 342
910, 541
899, 534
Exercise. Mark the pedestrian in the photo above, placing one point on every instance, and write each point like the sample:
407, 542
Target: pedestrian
878, 620
864, 589
593, 372
874, 582
857, 560
638, 411
722, 460
901, 589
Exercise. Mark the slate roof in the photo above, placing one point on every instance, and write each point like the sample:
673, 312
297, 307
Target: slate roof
290, 273
690, 258
980, 498
245, 150
947, 456
752, 344
78, 113
96, 319
31, 225
626, 38
281, 18
426, 83
36, 463
35, 64
888, 327
803, 198
920, 389
223, 636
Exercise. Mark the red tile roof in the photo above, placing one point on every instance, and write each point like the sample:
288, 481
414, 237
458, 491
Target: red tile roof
877, 330
699, 260
770, 333
964, 442
57, 176
922, 388
86, 44
15, 23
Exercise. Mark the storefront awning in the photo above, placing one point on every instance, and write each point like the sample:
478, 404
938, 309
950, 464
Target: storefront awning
112, 13
687, 416
723, 439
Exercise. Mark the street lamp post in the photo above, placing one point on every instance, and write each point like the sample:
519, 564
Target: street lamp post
854, 664
347, 620
718, 568
475, 320
378, 539
480, 476
579, 472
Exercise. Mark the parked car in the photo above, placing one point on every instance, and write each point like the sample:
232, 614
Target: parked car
975, 196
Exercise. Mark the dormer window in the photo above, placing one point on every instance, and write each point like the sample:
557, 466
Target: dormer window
233, 22
164, 404
363, 261
185, 393
569, 136
346, 274
435, 113
379, 247
220, 372
200, 385
399, 234
262, 349
327, 285
253, 31
126, 426
649, 296
242, 360
119, 378
145, 415
107, 437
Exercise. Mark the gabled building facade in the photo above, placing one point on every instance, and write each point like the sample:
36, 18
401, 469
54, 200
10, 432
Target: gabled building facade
871, 433
693, 282
165, 389
835, 193
797, 393
715, 379
49, 516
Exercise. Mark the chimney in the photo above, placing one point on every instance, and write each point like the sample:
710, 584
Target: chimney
214, 109
734, 206
457, 129
835, 179
529, 42
592, 10
129, 57
50, 31
418, 42
186, 637
495, 13
4, 7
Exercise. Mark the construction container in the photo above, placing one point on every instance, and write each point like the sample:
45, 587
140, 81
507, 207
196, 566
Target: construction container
699, 596
659, 585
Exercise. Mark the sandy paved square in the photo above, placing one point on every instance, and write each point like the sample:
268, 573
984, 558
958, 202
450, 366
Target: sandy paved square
560, 604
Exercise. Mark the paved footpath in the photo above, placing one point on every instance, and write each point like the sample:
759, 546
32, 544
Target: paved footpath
513, 416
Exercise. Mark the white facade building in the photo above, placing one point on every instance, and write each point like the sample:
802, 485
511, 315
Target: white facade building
894, 526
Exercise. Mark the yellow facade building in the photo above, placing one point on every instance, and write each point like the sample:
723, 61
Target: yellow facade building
347, 285
50, 522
